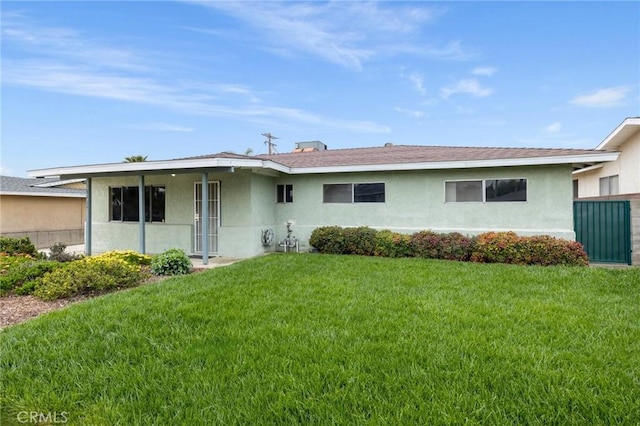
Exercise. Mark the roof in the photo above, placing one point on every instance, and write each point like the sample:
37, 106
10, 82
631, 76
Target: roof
42, 187
415, 154
621, 134
387, 158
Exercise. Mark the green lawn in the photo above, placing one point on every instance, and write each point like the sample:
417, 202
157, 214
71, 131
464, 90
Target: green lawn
319, 339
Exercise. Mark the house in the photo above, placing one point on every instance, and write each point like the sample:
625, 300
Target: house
223, 204
618, 177
47, 211
611, 232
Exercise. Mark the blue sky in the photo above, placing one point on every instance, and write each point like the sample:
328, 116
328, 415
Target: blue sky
94, 82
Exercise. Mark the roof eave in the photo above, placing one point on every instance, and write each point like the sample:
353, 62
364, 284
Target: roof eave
44, 194
156, 167
621, 133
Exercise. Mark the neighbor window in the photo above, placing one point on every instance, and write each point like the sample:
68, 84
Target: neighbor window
284, 193
492, 190
609, 185
354, 193
125, 204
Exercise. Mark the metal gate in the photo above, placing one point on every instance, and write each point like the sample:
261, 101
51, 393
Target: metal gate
604, 229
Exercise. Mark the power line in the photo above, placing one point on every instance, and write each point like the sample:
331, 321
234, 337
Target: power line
271, 145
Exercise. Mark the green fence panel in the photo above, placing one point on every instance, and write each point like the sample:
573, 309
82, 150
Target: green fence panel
604, 229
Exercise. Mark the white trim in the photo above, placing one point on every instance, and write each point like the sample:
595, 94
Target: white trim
588, 169
44, 194
57, 183
195, 165
613, 136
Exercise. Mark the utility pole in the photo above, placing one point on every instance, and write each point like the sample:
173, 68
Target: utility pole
268, 142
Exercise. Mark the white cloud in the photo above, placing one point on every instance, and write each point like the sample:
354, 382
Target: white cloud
68, 65
418, 82
603, 98
344, 33
487, 71
553, 127
410, 112
466, 86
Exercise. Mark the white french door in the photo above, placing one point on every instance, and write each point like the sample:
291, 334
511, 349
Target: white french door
214, 217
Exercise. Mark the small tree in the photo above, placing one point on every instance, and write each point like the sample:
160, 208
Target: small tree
135, 159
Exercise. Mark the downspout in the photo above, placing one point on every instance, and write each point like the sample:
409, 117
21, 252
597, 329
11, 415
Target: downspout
141, 211
205, 218
87, 220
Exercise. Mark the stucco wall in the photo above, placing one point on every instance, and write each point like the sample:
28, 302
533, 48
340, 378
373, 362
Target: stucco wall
626, 167
45, 220
416, 201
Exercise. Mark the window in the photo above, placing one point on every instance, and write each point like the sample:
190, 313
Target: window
609, 185
576, 193
491, 190
354, 193
500, 190
468, 190
125, 207
284, 193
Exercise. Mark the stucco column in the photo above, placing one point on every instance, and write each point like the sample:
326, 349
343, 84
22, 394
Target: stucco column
205, 218
141, 210
87, 220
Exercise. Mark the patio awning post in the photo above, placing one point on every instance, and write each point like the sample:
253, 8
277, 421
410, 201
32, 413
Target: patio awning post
142, 214
205, 218
87, 220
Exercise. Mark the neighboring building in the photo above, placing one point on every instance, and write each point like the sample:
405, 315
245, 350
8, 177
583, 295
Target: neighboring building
401, 188
48, 211
621, 176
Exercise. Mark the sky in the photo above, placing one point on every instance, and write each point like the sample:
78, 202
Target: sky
88, 82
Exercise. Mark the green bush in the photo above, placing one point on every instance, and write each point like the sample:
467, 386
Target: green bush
361, 241
171, 262
328, 239
507, 247
88, 276
8, 262
15, 246
129, 256
393, 244
22, 278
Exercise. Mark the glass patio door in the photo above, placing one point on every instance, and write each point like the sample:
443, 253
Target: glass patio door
214, 217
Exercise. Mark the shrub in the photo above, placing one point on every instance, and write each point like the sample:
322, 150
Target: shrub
507, 247
361, 241
455, 246
22, 279
88, 276
58, 253
328, 239
172, 262
15, 246
7, 262
129, 256
426, 244
393, 244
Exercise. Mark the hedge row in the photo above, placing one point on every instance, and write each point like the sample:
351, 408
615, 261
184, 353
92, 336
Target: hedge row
490, 247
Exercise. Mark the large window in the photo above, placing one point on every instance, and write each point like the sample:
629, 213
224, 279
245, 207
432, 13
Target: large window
491, 190
125, 204
609, 185
284, 193
354, 193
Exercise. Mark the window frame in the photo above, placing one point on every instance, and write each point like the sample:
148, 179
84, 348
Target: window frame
608, 180
128, 204
354, 197
484, 190
284, 193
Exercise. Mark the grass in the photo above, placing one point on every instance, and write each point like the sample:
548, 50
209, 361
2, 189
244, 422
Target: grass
319, 339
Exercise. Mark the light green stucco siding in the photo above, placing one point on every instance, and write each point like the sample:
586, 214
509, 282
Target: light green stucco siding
414, 200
